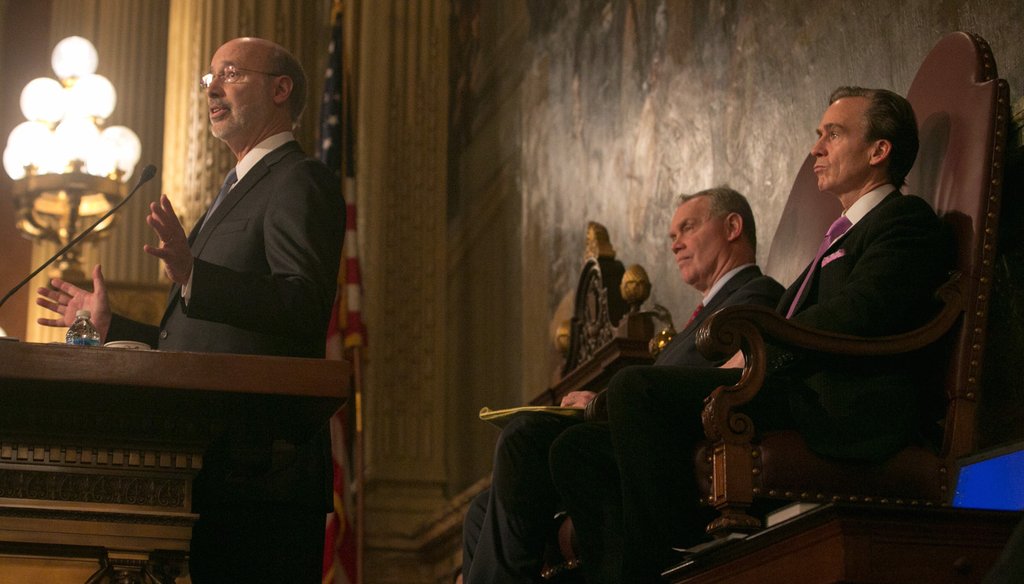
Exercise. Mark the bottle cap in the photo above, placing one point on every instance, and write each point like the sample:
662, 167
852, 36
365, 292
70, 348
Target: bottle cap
81, 313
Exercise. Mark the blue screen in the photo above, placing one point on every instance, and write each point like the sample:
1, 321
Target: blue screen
995, 482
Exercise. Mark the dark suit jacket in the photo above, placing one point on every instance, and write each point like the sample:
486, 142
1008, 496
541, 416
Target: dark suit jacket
266, 266
263, 282
748, 286
879, 280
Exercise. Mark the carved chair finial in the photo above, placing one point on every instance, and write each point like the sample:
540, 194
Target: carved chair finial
635, 286
599, 244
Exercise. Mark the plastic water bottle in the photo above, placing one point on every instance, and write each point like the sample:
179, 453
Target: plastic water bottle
82, 331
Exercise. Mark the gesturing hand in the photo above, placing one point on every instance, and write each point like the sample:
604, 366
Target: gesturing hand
173, 251
66, 299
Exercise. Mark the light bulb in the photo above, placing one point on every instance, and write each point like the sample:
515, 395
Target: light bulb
126, 147
43, 100
28, 143
92, 95
102, 160
74, 57
76, 138
13, 164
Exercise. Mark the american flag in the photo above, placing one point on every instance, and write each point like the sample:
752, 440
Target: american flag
346, 330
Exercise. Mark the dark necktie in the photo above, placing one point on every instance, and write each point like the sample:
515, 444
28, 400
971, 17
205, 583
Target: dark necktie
225, 188
838, 228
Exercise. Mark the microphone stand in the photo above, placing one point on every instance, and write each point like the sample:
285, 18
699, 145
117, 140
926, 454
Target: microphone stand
147, 174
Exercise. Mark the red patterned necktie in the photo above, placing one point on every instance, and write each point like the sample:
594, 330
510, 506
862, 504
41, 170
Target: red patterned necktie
693, 316
838, 228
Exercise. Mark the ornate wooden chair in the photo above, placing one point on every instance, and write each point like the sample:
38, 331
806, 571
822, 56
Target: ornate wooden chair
962, 110
607, 331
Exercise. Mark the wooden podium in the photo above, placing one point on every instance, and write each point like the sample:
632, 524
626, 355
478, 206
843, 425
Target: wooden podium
99, 446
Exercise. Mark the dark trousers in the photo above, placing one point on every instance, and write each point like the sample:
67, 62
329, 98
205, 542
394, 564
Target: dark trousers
629, 484
258, 543
507, 526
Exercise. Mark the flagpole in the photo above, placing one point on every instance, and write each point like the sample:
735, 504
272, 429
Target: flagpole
357, 452
354, 338
358, 355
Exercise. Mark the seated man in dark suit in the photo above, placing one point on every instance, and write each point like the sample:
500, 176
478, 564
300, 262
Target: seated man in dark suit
713, 239
629, 485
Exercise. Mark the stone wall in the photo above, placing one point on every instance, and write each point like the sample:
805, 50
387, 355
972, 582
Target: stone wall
572, 111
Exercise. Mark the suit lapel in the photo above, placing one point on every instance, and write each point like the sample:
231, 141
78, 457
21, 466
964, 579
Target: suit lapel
682, 348
244, 186
734, 283
252, 178
790, 294
198, 238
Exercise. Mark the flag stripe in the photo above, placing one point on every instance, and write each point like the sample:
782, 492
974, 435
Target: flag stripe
346, 330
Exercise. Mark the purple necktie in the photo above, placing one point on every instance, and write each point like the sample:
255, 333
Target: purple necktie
838, 228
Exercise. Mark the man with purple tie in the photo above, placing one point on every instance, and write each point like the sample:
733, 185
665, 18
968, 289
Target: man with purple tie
635, 497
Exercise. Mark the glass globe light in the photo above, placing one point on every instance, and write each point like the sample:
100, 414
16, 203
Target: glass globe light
43, 100
76, 138
28, 143
92, 95
74, 57
52, 160
102, 160
13, 163
125, 145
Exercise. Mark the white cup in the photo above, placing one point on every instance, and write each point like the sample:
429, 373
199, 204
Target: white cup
128, 345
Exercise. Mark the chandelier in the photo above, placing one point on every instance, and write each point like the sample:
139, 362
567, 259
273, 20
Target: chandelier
68, 167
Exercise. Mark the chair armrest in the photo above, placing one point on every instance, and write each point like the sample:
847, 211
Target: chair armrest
744, 328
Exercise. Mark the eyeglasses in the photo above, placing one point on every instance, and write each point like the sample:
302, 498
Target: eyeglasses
229, 74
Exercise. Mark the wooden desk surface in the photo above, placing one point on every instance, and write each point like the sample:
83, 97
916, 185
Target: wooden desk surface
56, 363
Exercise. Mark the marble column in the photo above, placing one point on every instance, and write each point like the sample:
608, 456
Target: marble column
401, 189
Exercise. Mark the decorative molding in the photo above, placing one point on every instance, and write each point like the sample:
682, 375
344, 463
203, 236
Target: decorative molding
88, 457
184, 520
94, 488
596, 327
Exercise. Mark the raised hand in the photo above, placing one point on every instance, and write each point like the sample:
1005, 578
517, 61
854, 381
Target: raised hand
173, 251
65, 299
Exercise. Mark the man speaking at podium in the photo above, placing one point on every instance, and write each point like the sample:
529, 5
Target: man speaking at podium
256, 275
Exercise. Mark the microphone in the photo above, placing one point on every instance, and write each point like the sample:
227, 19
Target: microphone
147, 174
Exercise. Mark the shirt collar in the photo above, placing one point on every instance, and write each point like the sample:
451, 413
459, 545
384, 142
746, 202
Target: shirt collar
721, 282
259, 151
866, 203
